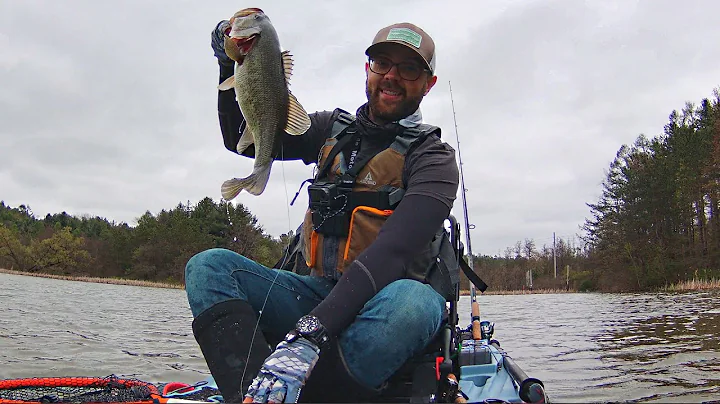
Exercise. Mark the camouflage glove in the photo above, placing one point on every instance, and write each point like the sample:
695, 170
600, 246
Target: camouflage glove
218, 42
284, 373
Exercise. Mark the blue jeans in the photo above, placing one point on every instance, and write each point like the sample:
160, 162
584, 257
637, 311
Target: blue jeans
398, 322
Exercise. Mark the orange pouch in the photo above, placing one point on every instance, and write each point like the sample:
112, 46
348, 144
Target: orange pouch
313, 249
365, 224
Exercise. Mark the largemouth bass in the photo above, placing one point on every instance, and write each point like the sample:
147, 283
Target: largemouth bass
261, 83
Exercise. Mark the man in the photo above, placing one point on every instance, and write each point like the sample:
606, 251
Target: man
373, 239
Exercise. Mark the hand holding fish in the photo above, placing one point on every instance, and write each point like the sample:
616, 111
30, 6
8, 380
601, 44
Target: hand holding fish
217, 41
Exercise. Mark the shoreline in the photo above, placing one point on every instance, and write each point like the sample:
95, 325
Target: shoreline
692, 285
150, 284
111, 281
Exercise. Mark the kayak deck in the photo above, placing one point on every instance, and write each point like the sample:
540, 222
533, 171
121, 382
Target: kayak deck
482, 374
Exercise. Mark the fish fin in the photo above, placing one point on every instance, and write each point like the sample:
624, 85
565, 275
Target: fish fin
246, 139
287, 60
298, 120
227, 84
254, 183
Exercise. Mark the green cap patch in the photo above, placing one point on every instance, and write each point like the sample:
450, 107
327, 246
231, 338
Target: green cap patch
405, 35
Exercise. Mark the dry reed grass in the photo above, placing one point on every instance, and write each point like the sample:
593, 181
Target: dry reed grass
693, 285
113, 281
520, 292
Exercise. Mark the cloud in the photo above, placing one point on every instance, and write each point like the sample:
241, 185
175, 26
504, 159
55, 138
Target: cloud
111, 111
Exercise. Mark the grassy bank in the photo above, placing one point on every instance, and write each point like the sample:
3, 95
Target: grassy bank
113, 281
695, 284
520, 292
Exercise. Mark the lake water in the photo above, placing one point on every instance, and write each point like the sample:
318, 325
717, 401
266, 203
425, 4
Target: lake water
584, 347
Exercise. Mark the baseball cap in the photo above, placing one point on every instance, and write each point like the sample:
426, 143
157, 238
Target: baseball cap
409, 35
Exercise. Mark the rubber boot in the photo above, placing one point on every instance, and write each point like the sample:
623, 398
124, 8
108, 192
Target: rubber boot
224, 333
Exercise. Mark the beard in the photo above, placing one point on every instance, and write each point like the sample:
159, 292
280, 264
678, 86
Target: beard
395, 112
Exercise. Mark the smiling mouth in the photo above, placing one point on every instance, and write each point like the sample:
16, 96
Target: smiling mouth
390, 92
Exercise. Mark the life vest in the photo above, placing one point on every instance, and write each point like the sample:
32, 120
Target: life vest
349, 203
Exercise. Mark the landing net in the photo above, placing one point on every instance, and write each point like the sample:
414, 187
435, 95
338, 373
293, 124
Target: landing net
110, 389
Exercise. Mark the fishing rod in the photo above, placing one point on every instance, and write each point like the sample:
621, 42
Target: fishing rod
474, 306
531, 390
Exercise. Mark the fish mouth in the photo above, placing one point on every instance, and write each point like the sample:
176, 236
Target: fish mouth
242, 39
245, 44
237, 48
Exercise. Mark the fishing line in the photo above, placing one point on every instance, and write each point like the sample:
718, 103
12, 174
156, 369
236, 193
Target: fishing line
277, 270
287, 199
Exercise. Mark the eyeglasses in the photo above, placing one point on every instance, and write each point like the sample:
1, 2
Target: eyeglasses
407, 70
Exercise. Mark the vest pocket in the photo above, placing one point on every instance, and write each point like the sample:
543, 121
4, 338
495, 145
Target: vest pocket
313, 249
365, 224
311, 242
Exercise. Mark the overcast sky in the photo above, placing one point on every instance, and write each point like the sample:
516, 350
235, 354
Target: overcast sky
110, 108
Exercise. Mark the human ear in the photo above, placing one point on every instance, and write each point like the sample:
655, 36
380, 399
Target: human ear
430, 83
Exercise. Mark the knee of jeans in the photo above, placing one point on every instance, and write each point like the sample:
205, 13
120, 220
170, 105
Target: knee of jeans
417, 305
201, 264
199, 261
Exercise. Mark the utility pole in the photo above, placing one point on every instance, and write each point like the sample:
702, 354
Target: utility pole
531, 280
554, 257
567, 277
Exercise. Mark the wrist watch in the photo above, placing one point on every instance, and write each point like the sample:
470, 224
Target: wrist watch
309, 327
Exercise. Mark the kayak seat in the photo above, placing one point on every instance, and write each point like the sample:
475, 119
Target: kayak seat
416, 380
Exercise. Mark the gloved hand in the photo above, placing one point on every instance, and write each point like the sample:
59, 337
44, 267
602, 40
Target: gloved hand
218, 42
284, 373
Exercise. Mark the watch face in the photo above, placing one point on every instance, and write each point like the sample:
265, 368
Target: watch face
308, 325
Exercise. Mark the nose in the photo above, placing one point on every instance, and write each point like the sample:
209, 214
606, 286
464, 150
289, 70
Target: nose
392, 73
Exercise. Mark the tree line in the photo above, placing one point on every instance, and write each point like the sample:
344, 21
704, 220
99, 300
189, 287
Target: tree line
156, 249
657, 222
528, 266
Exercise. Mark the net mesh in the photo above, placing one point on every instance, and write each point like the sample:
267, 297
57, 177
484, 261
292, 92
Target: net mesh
110, 389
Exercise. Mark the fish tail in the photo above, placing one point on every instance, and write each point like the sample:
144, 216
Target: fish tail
254, 183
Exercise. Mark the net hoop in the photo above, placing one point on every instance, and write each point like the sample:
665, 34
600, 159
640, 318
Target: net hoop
78, 382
